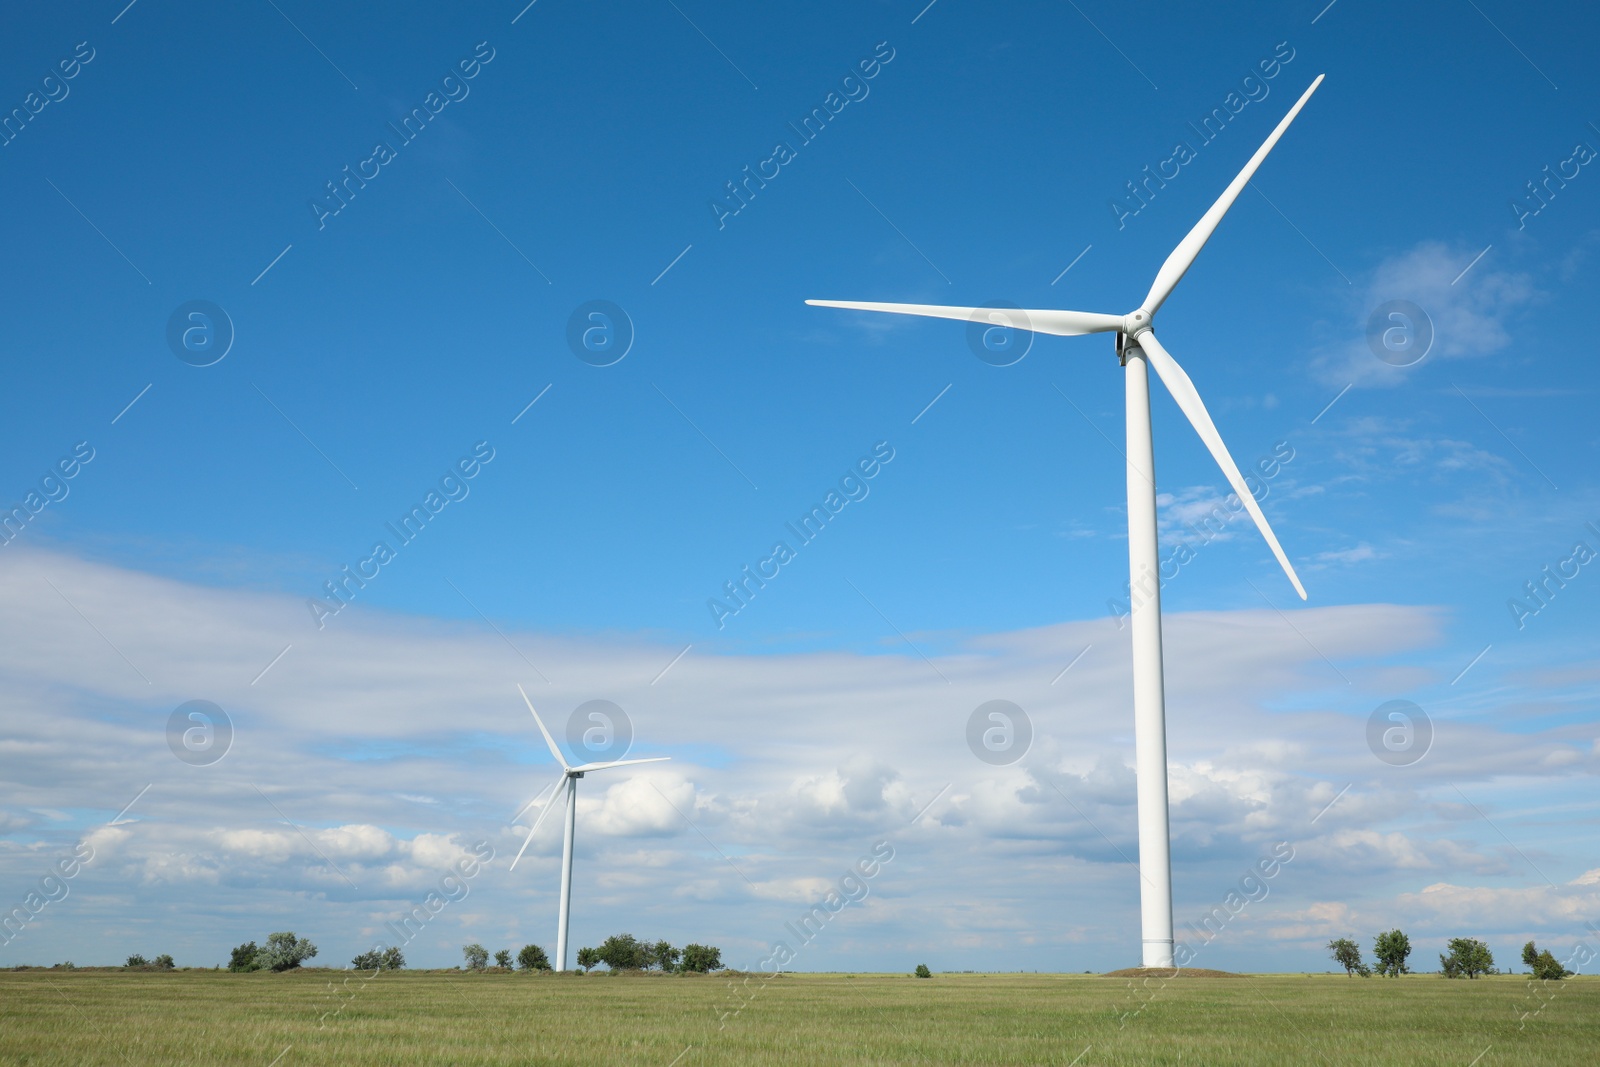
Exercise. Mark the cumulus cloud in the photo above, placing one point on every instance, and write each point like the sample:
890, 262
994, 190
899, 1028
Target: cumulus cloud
646, 805
436, 852
1399, 851
1319, 920
1570, 905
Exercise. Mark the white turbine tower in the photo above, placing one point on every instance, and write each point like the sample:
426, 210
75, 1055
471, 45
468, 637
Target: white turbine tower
569, 780
1138, 348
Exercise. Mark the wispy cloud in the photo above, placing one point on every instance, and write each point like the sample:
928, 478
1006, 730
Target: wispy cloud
1471, 317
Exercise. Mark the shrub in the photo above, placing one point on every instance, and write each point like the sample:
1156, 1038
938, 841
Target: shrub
533, 958
390, 959
244, 958
163, 963
502, 959
476, 955
923, 972
137, 960
701, 959
1391, 950
284, 952
1468, 956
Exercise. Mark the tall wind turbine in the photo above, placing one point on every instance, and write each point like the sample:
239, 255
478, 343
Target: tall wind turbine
569, 780
1139, 350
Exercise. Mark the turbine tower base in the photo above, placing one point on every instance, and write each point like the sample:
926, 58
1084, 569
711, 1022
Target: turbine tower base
1158, 954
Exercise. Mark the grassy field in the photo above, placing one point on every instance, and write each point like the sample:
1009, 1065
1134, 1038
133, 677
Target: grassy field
87, 1018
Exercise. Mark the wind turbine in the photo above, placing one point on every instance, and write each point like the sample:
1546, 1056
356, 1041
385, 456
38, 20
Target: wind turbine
569, 778
1139, 350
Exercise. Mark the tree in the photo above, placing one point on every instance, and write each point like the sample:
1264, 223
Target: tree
533, 958
702, 958
476, 955
284, 952
624, 952
1468, 956
1391, 950
1545, 967
393, 959
163, 963
137, 960
502, 959
1347, 954
923, 972
663, 955
244, 958
1548, 969
587, 958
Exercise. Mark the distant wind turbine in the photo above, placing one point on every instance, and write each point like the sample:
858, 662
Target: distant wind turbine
1138, 349
569, 777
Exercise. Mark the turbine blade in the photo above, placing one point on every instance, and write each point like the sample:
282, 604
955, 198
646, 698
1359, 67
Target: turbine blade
523, 810
554, 751
537, 822
525, 843
1178, 262
1188, 398
619, 763
1059, 323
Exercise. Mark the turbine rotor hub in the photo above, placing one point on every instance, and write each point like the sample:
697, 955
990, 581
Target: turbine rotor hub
1134, 323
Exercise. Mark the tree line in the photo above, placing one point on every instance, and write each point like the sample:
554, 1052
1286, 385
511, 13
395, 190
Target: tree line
1467, 957
286, 951
619, 952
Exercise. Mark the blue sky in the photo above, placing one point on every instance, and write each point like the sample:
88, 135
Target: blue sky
376, 347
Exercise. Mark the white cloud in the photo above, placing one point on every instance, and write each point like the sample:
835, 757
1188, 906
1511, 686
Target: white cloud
1470, 317
436, 852
355, 842
820, 756
1322, 919
793, 890
1359, 554
1182, 512
259, 844
641, 805
1486, 907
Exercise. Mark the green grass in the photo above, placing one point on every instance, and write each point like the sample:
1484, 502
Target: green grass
87, 1018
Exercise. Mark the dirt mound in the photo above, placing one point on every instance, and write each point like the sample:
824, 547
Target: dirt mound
1170, 972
